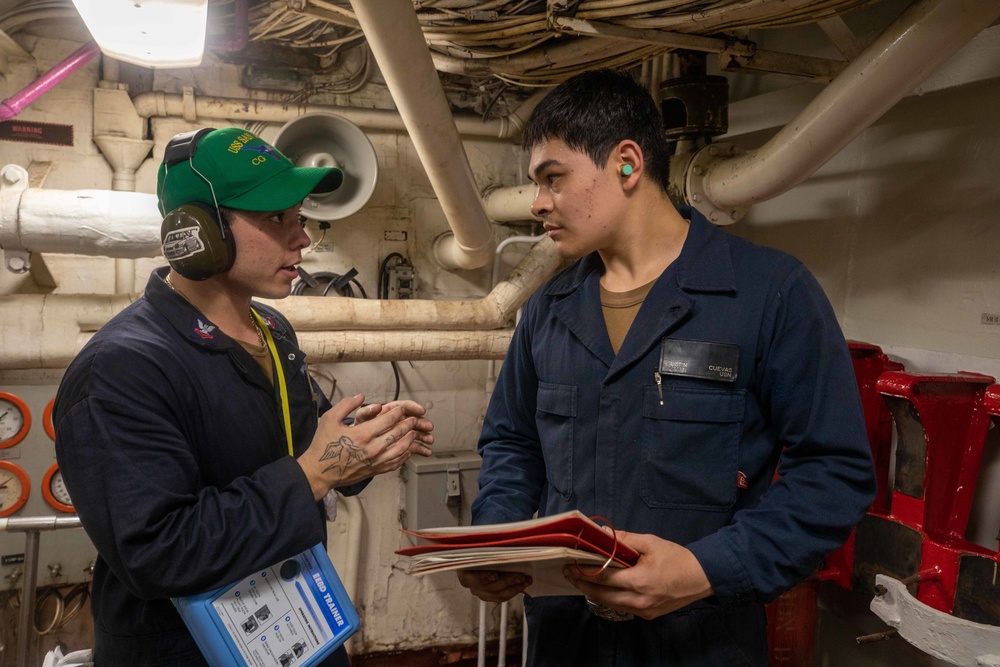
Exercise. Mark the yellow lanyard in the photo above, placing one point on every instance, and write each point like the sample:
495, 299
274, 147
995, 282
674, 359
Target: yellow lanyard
282, 388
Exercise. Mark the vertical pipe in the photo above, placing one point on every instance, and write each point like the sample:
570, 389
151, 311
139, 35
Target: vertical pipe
481, 657
28, 585
491, 368
397, 42
502, 650
524, 640
644, 74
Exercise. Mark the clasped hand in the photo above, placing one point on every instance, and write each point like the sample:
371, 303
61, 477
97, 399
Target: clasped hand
380, 440
666, 577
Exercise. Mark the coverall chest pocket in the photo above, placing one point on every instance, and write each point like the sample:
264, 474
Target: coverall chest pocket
554, 417
690, 447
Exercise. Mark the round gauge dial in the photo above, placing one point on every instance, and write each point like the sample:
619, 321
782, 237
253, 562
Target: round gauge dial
55, 492
15, 420
47, 419
14, 488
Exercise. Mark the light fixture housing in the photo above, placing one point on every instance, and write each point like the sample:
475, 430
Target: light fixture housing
150, 33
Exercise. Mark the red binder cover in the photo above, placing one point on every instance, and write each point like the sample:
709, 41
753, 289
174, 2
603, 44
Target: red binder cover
537, 547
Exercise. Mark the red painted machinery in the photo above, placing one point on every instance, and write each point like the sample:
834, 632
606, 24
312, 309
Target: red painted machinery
791, 618
869, 364
915, 529
941, 424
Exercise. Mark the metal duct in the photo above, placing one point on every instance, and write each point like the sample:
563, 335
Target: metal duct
926, 35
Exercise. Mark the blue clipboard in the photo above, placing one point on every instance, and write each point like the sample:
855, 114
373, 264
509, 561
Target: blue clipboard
292, 614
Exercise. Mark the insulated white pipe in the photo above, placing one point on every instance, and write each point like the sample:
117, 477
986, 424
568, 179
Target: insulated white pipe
397, 42
126, 224
491, 367
61, 339
494, 311
193, 107
85, 222
47, 331
922, 38
511, 204
342, 346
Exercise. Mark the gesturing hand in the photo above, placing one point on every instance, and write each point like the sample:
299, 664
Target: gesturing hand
382, 438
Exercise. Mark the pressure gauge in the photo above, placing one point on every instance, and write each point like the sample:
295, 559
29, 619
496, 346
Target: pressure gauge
15, 420
54, 491
14, 488
47, 419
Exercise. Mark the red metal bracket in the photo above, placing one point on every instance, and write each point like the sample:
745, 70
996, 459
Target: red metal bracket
941, 426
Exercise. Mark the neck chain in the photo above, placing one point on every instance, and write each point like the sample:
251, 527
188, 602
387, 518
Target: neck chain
253, 321
256, 328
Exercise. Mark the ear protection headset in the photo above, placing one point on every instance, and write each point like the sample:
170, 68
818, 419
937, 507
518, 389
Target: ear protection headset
194, 237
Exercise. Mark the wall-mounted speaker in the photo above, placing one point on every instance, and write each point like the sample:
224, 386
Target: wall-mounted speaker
326, 140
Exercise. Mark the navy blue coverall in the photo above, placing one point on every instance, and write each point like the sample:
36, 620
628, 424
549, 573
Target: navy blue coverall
172, 445
735, 364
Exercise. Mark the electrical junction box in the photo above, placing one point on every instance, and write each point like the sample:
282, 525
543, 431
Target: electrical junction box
402, 282
440, 489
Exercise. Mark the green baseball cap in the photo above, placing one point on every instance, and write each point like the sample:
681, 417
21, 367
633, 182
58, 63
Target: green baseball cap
244, 171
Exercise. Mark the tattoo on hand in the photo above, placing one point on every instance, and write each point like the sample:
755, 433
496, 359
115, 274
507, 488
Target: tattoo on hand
342, 453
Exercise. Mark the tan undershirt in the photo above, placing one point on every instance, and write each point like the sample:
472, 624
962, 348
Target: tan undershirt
262, 356
620, 309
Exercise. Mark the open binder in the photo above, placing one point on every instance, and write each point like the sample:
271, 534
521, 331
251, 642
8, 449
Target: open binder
539, 548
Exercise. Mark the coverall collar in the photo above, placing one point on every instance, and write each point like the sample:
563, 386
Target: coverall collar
190, 322
704, 265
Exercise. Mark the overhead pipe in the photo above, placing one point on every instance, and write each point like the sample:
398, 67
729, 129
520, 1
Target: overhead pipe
125, 155
343, 346
83, 222
119, 225
495, 310
193, 107
47, 331
510, 204
397, 42
922, 38
16, 103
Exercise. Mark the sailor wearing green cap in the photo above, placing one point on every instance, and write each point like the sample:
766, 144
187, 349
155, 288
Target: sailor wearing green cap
193, 442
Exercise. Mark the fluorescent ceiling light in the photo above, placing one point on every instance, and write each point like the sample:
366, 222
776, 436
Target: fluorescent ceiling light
151, 33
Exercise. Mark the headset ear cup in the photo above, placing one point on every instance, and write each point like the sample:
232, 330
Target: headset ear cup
195, 242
